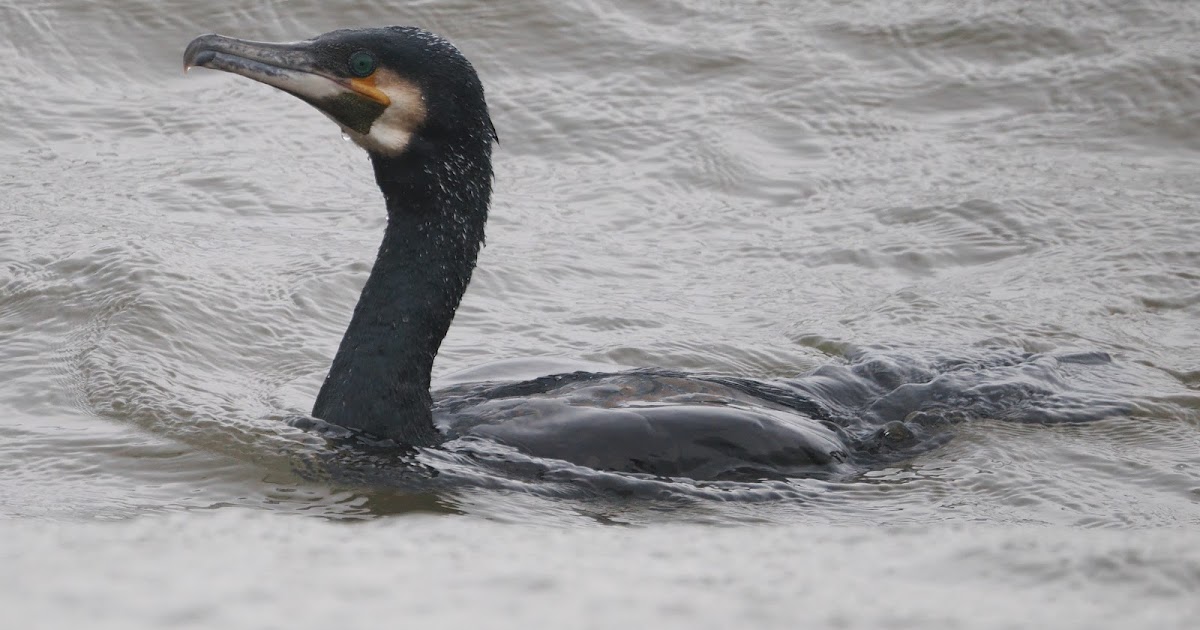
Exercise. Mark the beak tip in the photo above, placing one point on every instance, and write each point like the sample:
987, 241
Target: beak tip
198, 52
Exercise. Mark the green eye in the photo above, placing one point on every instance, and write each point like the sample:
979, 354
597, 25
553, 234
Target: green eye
362, 64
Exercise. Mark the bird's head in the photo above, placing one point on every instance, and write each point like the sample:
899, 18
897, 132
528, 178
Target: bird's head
386, 87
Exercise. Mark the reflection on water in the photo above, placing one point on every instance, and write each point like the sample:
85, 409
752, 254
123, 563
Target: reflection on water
766, 194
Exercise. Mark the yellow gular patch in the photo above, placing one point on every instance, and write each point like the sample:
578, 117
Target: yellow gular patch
366, 87
392, 130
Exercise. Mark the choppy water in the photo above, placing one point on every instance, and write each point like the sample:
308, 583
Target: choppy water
753, 190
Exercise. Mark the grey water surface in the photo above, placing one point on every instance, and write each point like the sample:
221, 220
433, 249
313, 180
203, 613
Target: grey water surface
752, 189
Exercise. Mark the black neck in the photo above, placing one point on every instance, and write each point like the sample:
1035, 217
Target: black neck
437, 198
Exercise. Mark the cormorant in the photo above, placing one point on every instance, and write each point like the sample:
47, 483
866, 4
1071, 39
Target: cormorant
415, 103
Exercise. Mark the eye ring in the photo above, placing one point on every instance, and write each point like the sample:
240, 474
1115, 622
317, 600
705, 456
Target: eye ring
362, 64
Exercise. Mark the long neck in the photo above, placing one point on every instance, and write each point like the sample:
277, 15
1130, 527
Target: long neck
437, 203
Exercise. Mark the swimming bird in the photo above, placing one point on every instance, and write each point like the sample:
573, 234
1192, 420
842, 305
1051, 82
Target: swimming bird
416, 105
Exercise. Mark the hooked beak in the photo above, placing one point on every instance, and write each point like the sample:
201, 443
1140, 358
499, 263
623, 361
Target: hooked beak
298, 69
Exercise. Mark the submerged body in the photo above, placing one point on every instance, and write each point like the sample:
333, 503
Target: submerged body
647, 421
